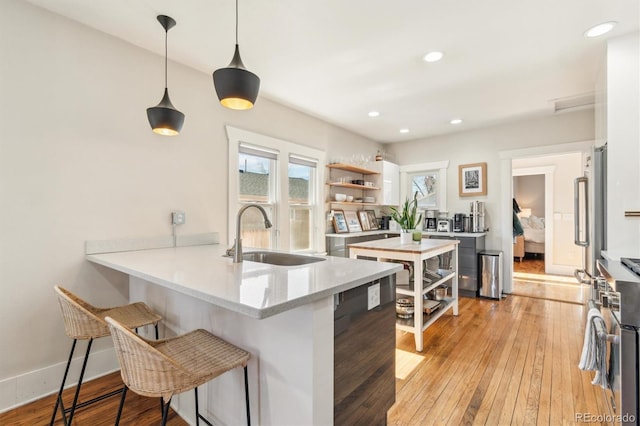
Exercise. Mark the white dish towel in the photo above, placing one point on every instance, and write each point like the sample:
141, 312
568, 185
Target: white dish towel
594, 350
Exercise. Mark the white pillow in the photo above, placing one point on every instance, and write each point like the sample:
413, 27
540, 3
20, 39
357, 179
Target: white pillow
536, 222
524, 221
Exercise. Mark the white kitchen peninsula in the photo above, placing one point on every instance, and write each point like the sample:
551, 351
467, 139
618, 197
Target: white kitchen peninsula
416, 252
283, 315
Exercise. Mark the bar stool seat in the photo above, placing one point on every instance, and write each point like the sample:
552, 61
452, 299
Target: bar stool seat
83, 321
164, 368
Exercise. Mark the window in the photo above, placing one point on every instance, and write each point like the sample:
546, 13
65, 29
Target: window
282, 177
429, 180
302, 183
257, 182
425, 186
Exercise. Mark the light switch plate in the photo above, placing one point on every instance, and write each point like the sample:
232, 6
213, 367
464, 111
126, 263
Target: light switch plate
373, 296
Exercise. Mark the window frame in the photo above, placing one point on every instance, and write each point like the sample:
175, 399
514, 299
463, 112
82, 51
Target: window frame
284, 149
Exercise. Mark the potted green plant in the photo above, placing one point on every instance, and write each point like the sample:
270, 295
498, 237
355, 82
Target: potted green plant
407, 217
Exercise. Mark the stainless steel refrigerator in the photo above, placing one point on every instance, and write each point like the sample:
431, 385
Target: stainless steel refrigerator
590, 210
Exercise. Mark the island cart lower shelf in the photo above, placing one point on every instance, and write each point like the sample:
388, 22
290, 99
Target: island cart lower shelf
392, 249
408, 324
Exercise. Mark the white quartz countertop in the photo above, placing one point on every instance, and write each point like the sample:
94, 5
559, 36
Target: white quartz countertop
362, 234
455, 234
387, 231
394, 244
254, 289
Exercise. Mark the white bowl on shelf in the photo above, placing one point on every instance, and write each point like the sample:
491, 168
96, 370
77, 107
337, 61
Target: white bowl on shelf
349, 198
341, 197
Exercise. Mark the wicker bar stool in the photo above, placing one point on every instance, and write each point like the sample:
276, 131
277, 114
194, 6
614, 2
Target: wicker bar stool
83, 321
164, 368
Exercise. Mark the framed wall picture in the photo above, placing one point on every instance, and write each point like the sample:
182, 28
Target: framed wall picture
373, 220
339, 222
472, 179
364, 220
352, 221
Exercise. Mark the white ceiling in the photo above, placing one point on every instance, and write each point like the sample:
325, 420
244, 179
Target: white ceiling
339, 59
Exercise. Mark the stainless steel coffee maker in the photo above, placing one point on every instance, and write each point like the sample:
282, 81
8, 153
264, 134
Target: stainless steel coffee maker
460, 223
430, 220
476, 218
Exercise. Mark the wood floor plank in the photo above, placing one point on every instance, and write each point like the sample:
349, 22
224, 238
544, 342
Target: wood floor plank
537, 367
464, 412
456, 383
525, 385
491, 407
544, 408
515, 379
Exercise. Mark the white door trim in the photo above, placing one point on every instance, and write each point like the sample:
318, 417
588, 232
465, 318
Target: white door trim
507, 190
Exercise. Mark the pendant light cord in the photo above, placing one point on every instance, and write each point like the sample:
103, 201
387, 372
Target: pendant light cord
236, 22
166, 33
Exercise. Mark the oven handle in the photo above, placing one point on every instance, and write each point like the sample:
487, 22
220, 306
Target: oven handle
601, 331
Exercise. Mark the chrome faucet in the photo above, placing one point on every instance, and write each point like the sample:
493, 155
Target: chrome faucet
236, 250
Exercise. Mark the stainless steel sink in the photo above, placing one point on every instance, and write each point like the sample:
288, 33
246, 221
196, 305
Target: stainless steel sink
281, 259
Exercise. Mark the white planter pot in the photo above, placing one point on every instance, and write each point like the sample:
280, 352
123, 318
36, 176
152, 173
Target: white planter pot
406, 237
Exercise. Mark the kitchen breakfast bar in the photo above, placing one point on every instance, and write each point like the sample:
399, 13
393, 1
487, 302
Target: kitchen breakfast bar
282, 315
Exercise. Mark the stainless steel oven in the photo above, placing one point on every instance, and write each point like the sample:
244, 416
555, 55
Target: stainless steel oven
617, 293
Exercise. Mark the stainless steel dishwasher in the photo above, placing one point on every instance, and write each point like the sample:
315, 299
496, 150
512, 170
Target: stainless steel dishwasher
364, 354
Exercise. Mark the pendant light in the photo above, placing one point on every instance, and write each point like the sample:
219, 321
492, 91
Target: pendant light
236, 87
164, 118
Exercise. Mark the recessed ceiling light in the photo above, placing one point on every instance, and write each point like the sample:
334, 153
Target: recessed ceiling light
456, 121
404, 130
373, 114
600, 29
433, 56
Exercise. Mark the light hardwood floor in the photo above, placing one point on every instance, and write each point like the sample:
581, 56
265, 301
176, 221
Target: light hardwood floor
504, 362
529, 279
138, 411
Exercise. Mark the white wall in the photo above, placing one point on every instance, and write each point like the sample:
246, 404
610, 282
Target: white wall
529, 193
623, 137
485, 145
79, 162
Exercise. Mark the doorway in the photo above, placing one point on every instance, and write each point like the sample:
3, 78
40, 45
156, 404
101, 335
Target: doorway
546, 256
533, 195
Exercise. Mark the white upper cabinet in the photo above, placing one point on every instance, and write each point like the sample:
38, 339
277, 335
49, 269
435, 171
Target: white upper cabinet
389, 182
623, 138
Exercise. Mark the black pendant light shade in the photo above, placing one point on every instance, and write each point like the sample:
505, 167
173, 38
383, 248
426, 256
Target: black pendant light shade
164, 118
236, 87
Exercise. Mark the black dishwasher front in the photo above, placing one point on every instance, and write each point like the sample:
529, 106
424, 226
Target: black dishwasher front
364, 354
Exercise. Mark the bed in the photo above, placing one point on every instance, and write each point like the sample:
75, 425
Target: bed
533, 228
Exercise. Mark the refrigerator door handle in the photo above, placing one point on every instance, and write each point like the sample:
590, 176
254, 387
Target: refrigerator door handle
581, 181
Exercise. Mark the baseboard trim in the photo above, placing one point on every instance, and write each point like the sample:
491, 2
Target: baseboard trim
34, 385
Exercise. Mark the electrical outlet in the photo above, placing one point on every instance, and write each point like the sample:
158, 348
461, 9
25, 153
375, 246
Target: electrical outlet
373, 296
178, 218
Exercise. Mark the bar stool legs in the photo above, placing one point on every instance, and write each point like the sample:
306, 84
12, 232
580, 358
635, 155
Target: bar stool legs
246, 395
71, 410
64, 379
124, 395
